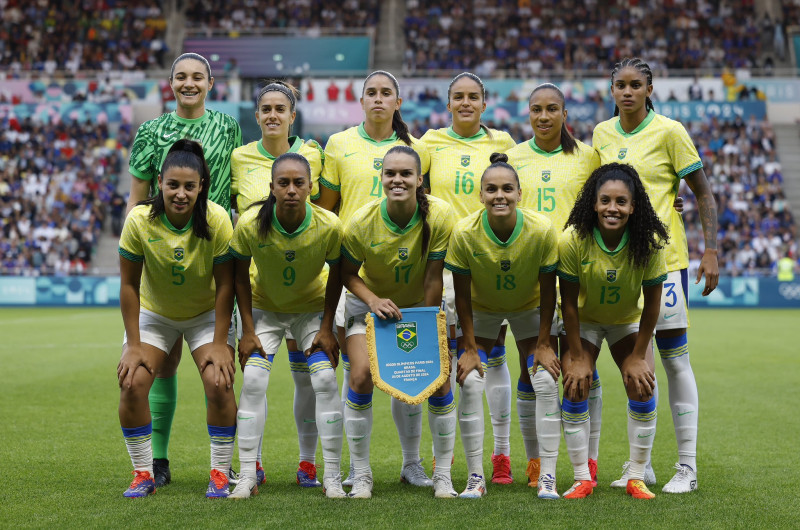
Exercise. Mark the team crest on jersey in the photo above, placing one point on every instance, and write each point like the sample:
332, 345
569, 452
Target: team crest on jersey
505, 265
179, 253
402, 253
377, 164
546, 175
289, 255
465, 160
622, 153
406, 335
611, 275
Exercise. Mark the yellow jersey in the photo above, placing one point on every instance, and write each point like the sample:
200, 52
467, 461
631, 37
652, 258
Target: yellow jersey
288, 266
505, 274
353, 163
178, 273
251, 170
551, 182
610, 287
662, 153
457, 164
391, 259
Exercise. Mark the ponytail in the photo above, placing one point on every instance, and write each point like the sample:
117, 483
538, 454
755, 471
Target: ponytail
424, 207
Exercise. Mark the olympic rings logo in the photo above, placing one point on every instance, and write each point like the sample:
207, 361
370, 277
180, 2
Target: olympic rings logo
790, 291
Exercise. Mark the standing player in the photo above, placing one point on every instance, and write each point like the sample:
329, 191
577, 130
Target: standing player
219, 134
611, 257
662, 153
553, 167
351, 178
394, 249
251, 176
289, 240
177, 279
503, 261
459, 153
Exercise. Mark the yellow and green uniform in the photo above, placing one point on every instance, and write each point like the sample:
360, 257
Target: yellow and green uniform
218, 133
178, 272
393, 265
505, 274
551, 181
288, 266
662, 153
610, 287
457, 164
353, 163
251, 169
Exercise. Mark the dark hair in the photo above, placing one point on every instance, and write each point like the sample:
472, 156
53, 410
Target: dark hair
422, 198
500, 160
195, 56
646, 231
279, 86
264, 217
568, 143
643, 68
398, 125
483, 92
187, 154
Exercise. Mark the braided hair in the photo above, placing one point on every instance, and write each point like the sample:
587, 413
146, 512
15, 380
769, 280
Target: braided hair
186, 154
398, 125
568, 143
478, 80
264, 217
646, 231
422, 198
640, 66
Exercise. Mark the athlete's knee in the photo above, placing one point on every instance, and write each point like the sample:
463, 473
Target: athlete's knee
544, 384
324, 382
361, 381
474, 384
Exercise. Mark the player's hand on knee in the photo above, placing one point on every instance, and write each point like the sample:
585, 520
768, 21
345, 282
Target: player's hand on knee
217, 357
577, 381
325, 341
545, 357
639, 379
133, 356
469, 361
248, 345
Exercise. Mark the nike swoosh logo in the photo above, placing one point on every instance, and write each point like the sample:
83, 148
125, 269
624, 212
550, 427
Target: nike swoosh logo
527, 415
505, 415
572, 432
154, 239
685, 413
262, 245
251, 169
170, 135
350, 154
520, 167
335, 421
603, 147
646, 435
359, 438
415, 414
594, 397
586, 263
373, 244
476, 254
447, 433
551, 413
245, 417
667, 317
309, 421
468, 413
441, 148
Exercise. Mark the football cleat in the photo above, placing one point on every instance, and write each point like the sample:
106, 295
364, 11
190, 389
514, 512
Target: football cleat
684, 481
501, 469
638, 490
593, 471
261, 477
579, 490
362, 487
533, 470
332, 487
142, 485
476, 487
414, 474
547, 487
307, 475
161, 474
350, 475
443, 487
217, 485
245, 488
649, 476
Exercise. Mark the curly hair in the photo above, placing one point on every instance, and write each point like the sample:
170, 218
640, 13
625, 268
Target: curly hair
645, 230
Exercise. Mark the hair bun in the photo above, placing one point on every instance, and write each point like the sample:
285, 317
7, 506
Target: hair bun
498, 157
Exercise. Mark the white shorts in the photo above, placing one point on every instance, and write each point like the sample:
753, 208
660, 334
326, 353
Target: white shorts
449, 298
339, 318
612, 333
239, 329
674, 312
356, 313
163, 332
271, 328
523, 324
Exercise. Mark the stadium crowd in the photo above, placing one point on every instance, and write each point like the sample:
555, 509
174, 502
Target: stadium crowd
529, 38
72, 36
58, 187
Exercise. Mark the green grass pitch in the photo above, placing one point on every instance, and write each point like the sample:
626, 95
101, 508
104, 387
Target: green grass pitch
65, 464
